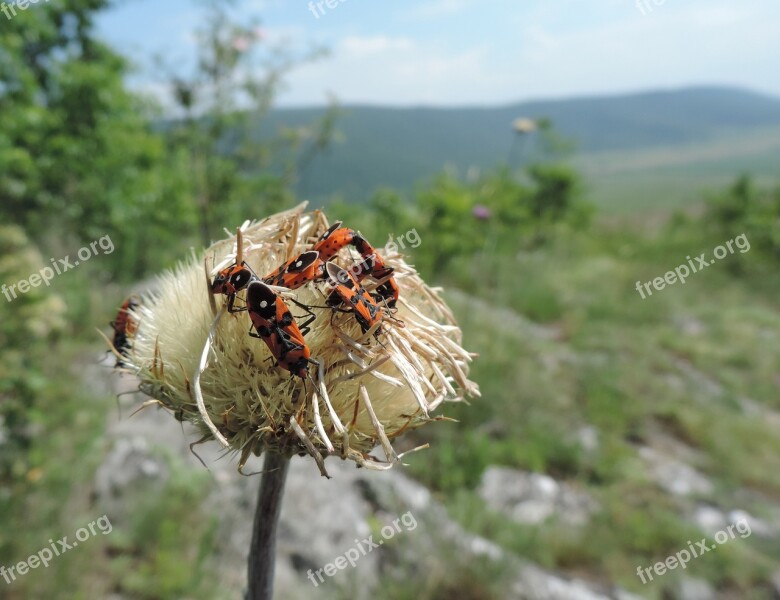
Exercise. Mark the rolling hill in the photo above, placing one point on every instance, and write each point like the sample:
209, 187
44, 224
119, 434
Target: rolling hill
671, 144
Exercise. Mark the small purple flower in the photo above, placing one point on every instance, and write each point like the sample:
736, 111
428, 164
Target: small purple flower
481, 212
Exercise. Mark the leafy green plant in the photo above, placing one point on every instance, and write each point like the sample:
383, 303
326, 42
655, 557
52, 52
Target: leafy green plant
745, 208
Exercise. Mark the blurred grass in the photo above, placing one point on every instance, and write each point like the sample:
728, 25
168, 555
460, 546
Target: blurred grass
565, 341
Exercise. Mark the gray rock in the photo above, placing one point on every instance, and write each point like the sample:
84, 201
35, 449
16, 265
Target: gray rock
532, 498
709, 519
756, 409
588, 437
774, 580
689, 325
712, 520
536, 584
755, 525
707, 387
128, 468
674, 476
694, 589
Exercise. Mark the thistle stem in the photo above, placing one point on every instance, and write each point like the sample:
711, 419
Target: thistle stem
262, 553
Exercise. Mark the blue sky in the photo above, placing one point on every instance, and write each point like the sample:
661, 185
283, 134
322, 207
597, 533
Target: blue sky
482, 52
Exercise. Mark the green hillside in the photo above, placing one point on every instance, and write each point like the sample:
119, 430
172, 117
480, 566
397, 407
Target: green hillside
670, 144
664, 177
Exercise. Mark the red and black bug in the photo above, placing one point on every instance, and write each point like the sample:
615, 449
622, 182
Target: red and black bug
275, 325
230, 281
297, 272
387, 291
347, 290
334, 239
125, 326
338, 237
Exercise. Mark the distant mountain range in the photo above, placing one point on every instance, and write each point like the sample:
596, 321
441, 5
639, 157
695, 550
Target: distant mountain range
398, 147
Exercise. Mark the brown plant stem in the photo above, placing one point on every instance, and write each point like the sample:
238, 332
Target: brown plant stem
262, 552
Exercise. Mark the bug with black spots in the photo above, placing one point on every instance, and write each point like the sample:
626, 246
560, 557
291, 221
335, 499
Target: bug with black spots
338, 237
230, 281
348, 291
273, 323
297, 272
292, 274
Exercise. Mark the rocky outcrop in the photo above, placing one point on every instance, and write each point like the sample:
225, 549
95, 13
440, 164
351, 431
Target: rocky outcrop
532, 498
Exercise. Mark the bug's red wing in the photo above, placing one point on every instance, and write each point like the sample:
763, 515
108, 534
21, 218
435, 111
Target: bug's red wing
296, 272
334, 240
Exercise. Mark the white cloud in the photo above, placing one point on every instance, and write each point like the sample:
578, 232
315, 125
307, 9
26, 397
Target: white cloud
358, 46
437, 8
380, 69
551, 54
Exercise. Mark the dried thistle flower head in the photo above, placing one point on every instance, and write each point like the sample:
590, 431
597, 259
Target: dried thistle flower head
199, 361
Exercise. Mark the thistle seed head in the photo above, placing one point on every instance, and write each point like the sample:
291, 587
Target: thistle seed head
367, 389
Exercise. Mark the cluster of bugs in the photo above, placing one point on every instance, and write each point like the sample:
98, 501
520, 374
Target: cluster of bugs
272, 320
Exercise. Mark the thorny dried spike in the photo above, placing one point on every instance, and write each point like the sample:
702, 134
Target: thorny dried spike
310, 447
239, 246
315, 402
380, 430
